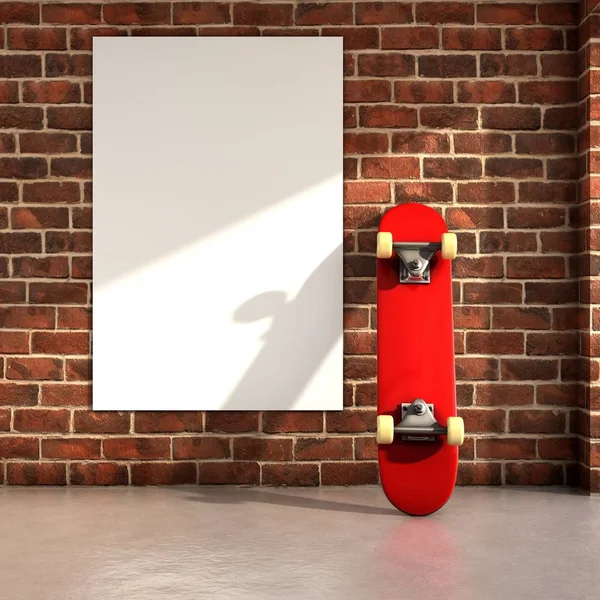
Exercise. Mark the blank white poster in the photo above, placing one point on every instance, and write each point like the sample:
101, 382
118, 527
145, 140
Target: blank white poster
217, 182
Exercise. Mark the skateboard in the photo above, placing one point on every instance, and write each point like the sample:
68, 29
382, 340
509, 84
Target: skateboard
418, 432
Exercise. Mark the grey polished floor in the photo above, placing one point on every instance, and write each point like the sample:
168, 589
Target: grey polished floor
330, 543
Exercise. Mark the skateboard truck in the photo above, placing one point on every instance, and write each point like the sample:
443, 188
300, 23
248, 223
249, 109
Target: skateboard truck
418, 423
417, 420
415, 260
416, 257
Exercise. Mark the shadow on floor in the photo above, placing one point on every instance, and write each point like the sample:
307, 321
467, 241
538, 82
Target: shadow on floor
247, 495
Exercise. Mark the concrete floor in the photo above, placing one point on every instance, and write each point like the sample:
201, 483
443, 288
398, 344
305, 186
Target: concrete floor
328, 543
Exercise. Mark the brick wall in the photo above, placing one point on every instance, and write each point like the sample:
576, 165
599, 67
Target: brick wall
587, 418
472, 107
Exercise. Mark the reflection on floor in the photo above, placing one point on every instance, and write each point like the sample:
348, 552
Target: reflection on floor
274, 543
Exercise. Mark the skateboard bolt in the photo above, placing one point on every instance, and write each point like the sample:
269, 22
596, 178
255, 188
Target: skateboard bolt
420, 408
415, 264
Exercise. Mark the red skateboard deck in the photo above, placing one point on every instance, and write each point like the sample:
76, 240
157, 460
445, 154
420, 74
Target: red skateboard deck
416, 405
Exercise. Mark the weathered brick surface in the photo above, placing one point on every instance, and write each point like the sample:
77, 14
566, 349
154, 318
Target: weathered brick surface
471, 107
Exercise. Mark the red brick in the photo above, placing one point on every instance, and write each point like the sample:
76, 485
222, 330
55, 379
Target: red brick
423, 192
361, 217
138, 448
494, 342
486, 92
381, 13
349, 473
424, 92
152, 13
458, 38
475, 218
58, 293
14, 342
201, 13
364, 90
506, 14
510, 65
100, 422
487, 192
563, 168
51, 192
551, 292
201, 448
538, 267
535, 218
19, 12
360, 342
452, 168
492, 293
409, 38
68, 65
560, 13
19, 447
37, 39
479, 420
158, 422
29, 368
511, 448
393, 167
560, 118
511, 118
534, 474
334, 13
72, 117
48, 143
231, 421
544, 143
72, 14
42, 420
365, 192
528, 369
358, 367
7, 146
454, 117
14, 394
78, 369
546, 192
547, 92
471, 317
23, 168
447, 66
479, 473
521, 318
517, 168
475, 368
263, 449
388, 116
11, 292
445, 12
560, 448
417, 142
232, 473
534, 38
494, 394
97, 474
559, 65
163, 473
65, 394
27, 317
553, 343
56, 267
36, 474
386, 65
292, 474
21, 117
71, 448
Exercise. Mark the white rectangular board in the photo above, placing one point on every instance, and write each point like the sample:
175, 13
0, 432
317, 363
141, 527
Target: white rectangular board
218, 224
